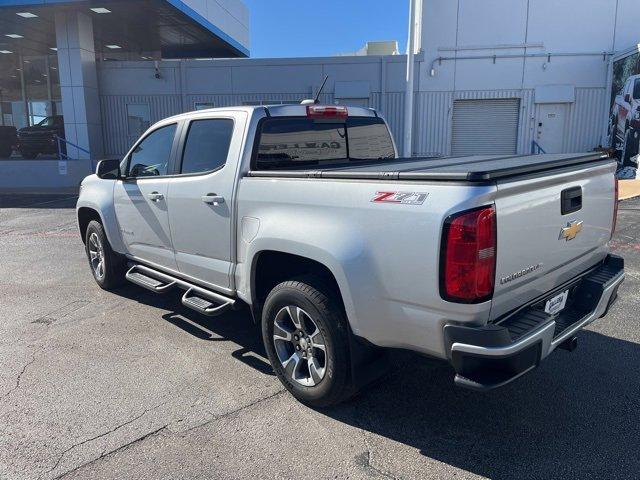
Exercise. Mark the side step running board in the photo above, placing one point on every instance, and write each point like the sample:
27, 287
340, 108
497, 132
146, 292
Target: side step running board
147, 281
203, 305
200, 299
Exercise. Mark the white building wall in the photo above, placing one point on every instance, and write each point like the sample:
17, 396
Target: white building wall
236, 81
525, 30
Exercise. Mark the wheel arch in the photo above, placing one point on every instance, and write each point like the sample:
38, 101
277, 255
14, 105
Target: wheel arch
86, 215
270, 267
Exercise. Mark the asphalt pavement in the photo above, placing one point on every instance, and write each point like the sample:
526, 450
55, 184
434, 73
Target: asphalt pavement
98, 385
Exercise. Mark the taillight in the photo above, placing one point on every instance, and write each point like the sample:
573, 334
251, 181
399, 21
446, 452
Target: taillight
327, 111
615, 208
468, 258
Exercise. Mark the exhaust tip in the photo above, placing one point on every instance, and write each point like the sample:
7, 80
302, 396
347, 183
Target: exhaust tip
570, 344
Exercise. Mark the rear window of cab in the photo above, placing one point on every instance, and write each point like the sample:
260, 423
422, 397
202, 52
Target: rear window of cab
290, 143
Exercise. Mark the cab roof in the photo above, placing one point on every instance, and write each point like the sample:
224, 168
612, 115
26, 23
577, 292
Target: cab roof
287, 110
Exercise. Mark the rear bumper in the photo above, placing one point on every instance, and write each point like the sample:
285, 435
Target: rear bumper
494, 355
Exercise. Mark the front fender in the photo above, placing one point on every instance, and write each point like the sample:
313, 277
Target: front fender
97, 194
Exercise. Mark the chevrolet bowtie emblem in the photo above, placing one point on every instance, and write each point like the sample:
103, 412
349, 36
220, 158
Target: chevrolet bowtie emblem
571, 231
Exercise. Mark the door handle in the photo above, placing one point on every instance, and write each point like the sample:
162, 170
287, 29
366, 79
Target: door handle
212, 199
155, 196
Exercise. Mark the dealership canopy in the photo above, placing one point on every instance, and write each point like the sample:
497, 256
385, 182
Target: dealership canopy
122, 29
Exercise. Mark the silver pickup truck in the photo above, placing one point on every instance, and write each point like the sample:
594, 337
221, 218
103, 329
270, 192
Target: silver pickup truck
341, 250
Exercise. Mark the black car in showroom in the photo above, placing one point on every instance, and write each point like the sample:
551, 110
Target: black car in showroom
41, 137
8, 140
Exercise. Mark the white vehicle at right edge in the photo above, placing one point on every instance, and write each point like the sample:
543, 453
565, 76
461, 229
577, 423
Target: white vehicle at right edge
305, 215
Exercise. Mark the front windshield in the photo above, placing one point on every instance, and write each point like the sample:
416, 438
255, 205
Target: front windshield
48, 122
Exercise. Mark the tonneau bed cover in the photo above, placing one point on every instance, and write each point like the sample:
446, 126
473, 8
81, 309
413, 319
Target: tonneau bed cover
478, 168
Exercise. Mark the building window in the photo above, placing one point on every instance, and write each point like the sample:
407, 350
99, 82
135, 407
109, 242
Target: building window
203, 105
138, 119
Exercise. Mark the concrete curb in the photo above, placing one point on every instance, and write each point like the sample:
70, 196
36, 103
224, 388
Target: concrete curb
628, 189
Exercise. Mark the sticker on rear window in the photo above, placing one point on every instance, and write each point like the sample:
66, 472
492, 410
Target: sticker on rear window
403, 198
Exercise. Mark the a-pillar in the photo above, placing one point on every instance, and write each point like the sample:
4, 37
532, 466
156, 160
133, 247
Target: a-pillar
79, 84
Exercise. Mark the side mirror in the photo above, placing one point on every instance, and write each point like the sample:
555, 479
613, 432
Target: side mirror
108, 169
627, 98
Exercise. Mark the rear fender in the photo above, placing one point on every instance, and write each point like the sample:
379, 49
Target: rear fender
339, 257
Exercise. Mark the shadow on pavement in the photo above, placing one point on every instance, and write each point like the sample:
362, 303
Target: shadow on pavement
38, 201
576, 416
235, 326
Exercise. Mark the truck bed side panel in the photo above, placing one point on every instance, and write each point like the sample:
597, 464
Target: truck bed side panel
384, 256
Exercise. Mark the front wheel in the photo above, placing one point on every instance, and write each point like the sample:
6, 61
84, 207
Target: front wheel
613, 131
629, 149
106, 265
306, 337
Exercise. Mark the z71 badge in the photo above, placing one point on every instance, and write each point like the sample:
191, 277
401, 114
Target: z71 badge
404, 198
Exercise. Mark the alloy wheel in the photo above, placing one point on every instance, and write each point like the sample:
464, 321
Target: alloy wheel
96, 255
300, 346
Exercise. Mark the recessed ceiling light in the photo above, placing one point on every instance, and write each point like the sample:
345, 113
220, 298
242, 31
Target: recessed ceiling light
101, 10
113, 47
6, 51
26, 15
13, 35
53, 68
13, 76
53, 48
45, 75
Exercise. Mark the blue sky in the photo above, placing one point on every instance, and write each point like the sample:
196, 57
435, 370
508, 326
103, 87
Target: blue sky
315, 28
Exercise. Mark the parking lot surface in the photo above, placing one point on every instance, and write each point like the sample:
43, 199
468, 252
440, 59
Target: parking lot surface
101, 385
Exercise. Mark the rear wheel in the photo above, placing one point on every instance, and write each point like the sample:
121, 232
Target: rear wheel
106, 265
307, 340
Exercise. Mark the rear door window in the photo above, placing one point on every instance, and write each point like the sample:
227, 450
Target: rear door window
300, 142
207, 145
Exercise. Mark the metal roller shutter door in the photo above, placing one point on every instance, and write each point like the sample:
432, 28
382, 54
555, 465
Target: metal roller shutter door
485, 126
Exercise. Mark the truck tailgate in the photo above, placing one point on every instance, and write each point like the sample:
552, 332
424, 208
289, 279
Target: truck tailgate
542, 244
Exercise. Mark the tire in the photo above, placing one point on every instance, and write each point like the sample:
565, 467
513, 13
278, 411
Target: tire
321, 321
613, 132
28, 154
629, 149
106, 265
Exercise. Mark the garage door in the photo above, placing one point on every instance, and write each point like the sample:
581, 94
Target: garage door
485, 126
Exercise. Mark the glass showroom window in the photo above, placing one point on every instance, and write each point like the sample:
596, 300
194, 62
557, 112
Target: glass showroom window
138, 119
29, 89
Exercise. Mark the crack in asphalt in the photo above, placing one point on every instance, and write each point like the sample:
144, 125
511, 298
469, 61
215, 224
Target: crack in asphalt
227, 414
19, 377
369, 460
104, 434
111, 452
150, 434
